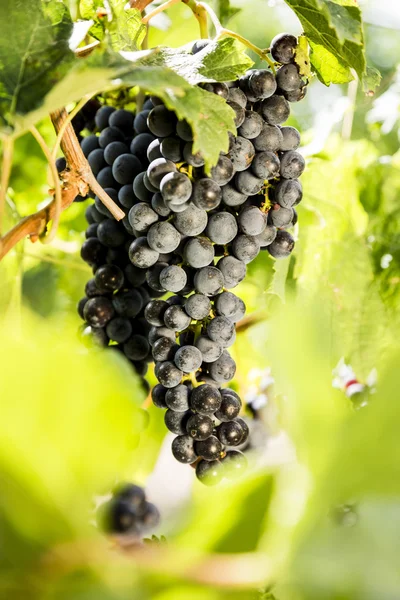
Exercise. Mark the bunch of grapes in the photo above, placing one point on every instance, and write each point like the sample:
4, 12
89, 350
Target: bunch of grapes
128, 513
163, 276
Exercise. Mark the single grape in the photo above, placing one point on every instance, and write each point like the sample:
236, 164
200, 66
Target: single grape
139, 145
188, 358
191, 221
140, 122
248, 184
177, 398
275, 110
207, 194
230, 406
141, 255
183, 449
176, 188
102, 117
109, 277
222, 228
119, 517
173, 278
126, 197
98, 311
195, 160
233, 271
252, 221
176, 421
262, 83
239, 113
209, 472
164, 349
288, 78
251, 126
113, 150
231, 197
237, 95
184, 131
109, 135
93, 252
106, 179
210, 350
125, 168
282, 246
267, 236
134, 275
205, 399
92, 290
199, 427
159, 206
266, 165
153, 276
288, 192
163, 237
198, 252
291, 138
280, 216
292, 165
119, 329
95, 336
220, 330
227, 304
89, 143
168, 374
297, 95
171, 149
219, 88
96, 160
231, 433
110, 233
209, 449
161, 121
223, 171
283, 47
234, 464
245, 248
128, 304
137, 347
158, 395
81, 306
141, 216
198, 306
223, 369
176, 318
139, 188
209, 281
123, 119
241, 153
270, 139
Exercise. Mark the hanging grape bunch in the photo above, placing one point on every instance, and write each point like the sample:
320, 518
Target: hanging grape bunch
163, 277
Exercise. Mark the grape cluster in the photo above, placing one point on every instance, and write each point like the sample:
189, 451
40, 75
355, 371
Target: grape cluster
128, 512
163, 276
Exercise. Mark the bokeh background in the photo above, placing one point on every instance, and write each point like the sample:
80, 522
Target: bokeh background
318, 513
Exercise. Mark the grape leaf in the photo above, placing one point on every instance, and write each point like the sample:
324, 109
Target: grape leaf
334, 30
38, 56
123, 24
302, 57
222, 60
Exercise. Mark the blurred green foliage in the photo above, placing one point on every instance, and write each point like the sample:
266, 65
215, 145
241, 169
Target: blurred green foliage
71, 422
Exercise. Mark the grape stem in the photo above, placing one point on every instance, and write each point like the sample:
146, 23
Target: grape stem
8, 147
57, 186
158, 10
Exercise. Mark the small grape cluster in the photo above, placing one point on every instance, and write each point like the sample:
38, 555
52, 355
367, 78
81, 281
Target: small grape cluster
189, 236
128, 512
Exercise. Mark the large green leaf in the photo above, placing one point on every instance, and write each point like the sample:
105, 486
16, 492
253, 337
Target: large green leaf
222, 60
334, 30
34, 53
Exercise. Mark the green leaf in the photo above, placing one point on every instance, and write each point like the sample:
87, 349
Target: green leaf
334, 30
225, 11
116, 19
328, 68
222, 60
38, 57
